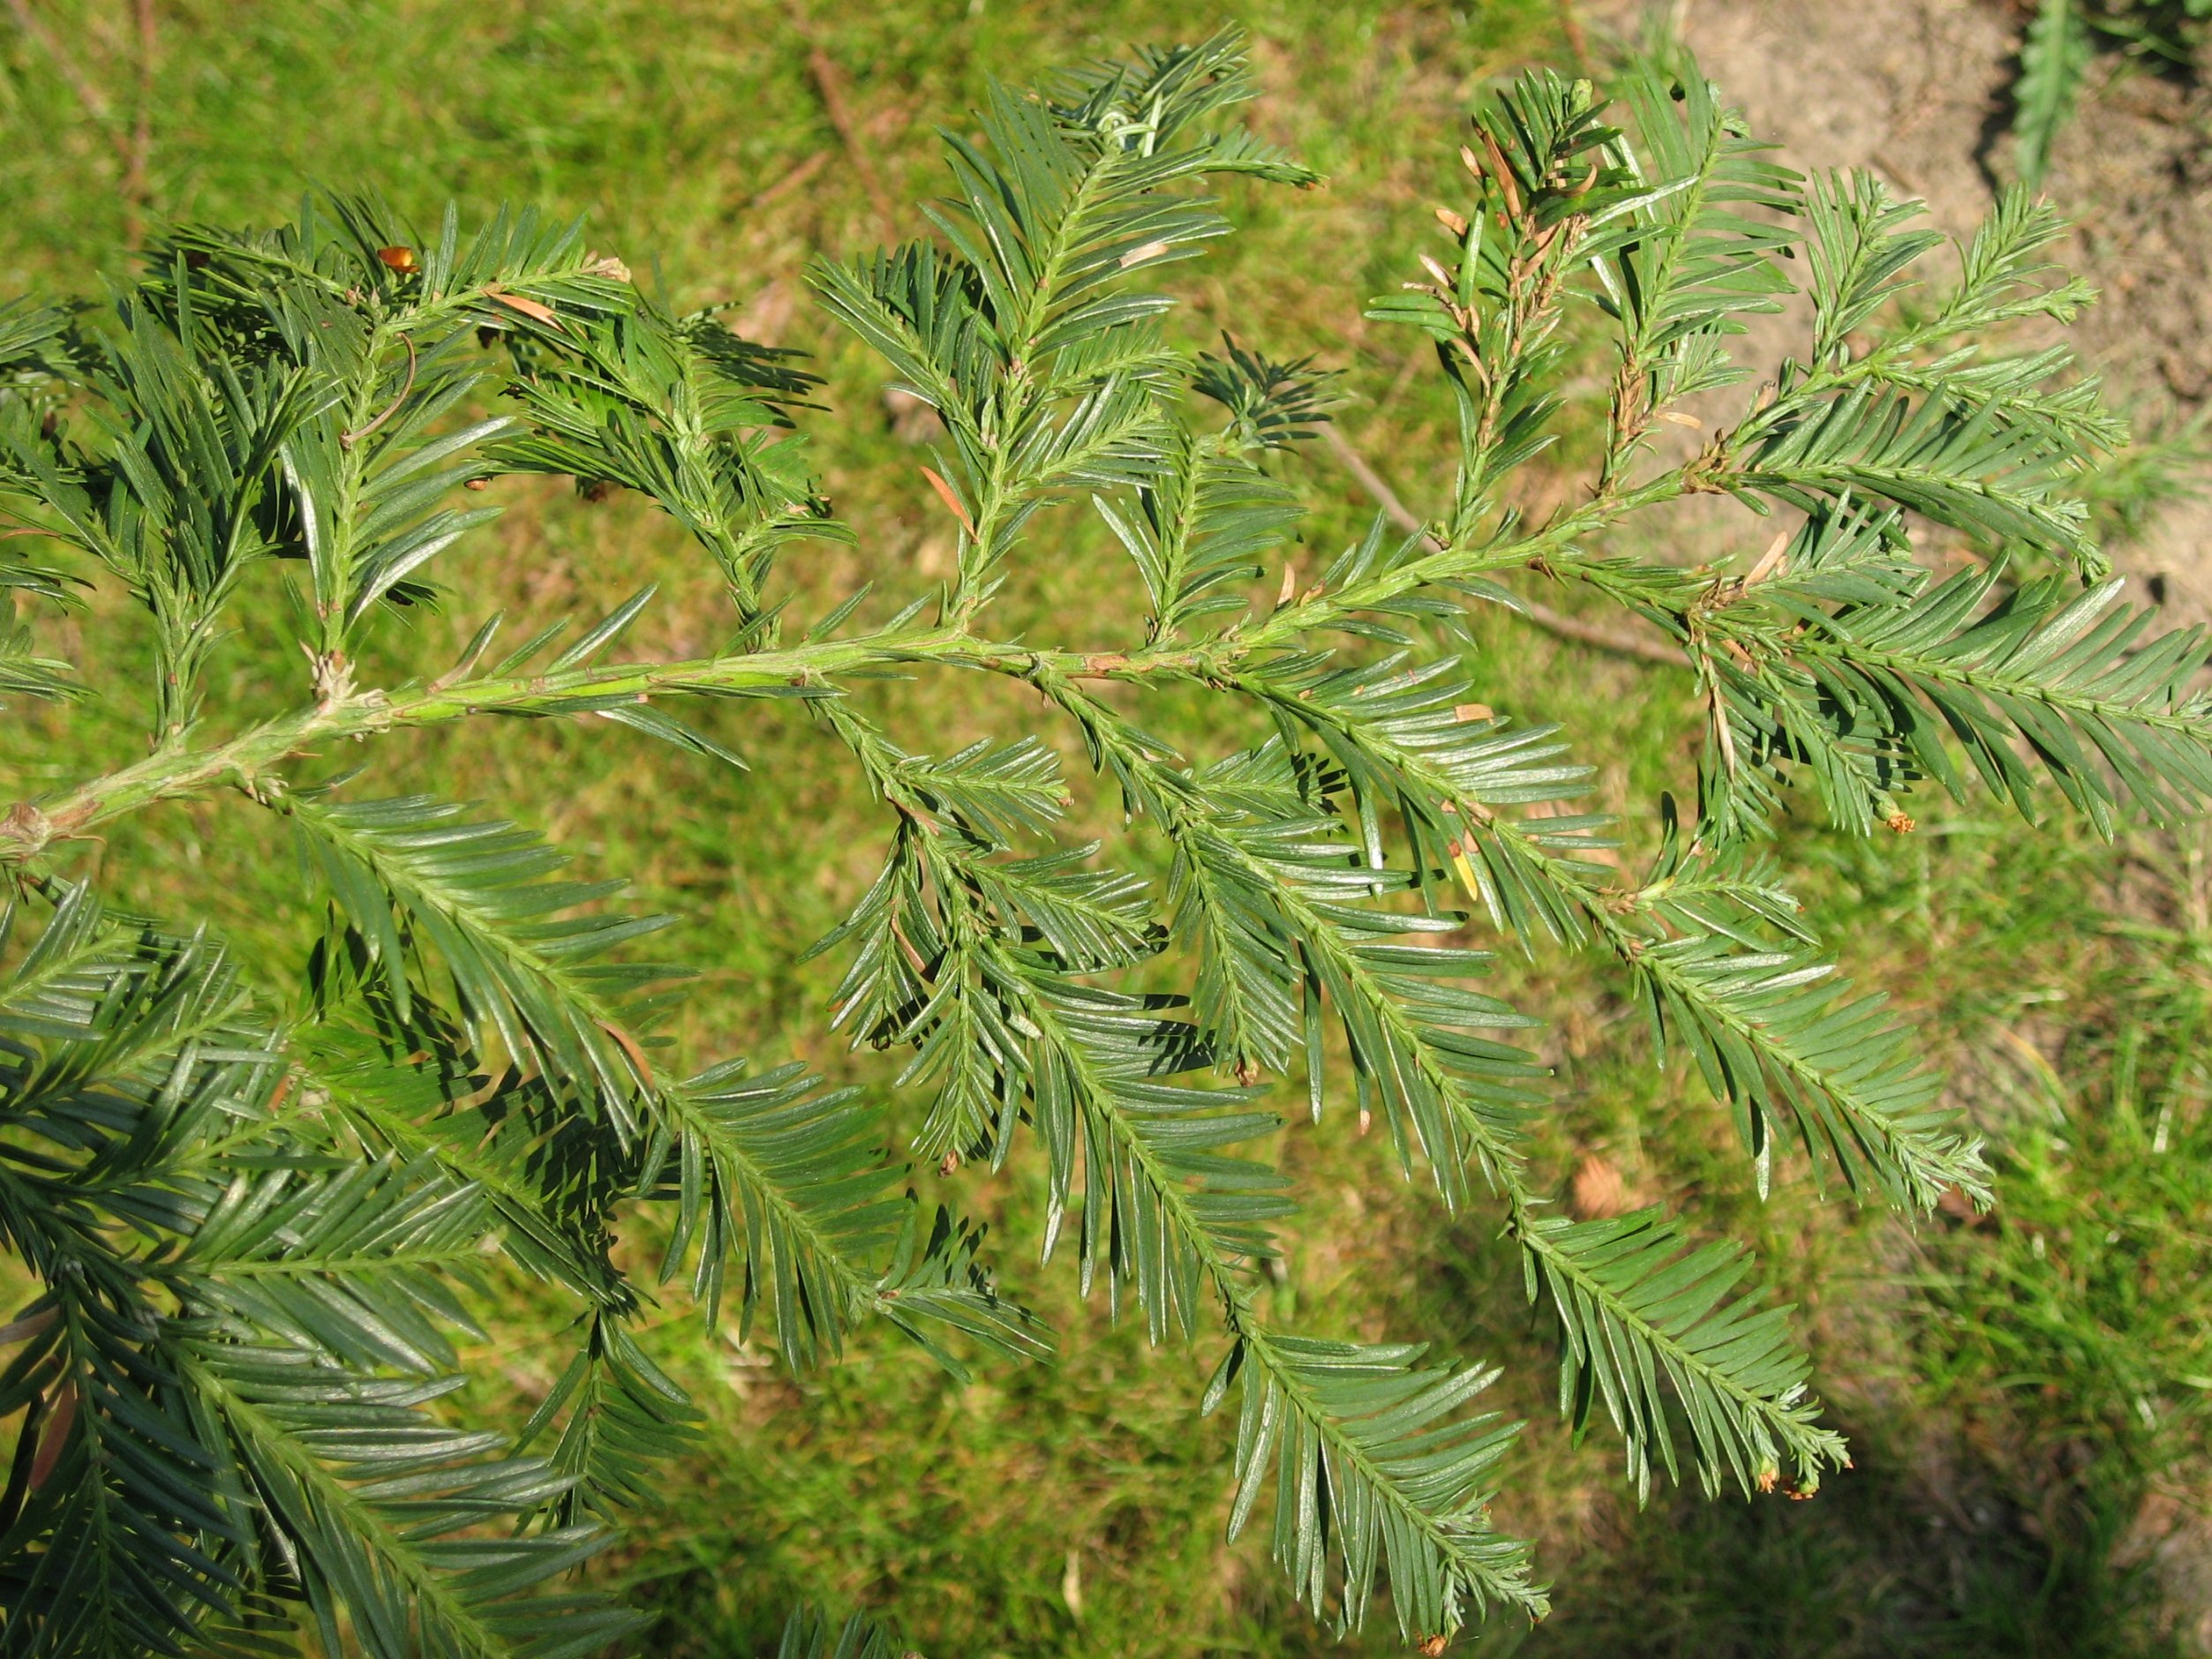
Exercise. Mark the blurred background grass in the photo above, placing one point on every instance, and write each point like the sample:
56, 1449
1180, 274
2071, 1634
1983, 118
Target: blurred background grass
2025, 1393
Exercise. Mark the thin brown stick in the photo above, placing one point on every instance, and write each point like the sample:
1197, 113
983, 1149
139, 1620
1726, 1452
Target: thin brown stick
95, 100
139, 156
1597, 634
134, 150
829, 80
1423, 352
790, 181
1578, 43
1552, 622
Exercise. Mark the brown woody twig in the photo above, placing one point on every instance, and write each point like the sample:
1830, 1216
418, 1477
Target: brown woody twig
134, 150
139, 156
1603, 638
829, 80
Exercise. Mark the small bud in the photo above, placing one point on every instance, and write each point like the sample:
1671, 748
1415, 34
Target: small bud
1902, 824
27, 825
474, 484
401, 260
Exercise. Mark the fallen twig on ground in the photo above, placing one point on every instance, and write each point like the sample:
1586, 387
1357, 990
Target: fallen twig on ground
829, 81
1593, 634
134, 149
138, 157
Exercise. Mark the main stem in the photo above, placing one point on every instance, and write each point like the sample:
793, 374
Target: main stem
250, 761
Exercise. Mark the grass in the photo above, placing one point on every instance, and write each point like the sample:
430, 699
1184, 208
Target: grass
2025, 1394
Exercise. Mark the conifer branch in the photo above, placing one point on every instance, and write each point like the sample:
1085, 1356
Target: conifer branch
252, 1194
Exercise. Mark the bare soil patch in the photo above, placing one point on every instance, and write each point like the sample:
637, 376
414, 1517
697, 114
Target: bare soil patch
1916, 90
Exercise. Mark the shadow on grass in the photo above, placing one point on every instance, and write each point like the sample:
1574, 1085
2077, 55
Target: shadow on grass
1888, 1560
